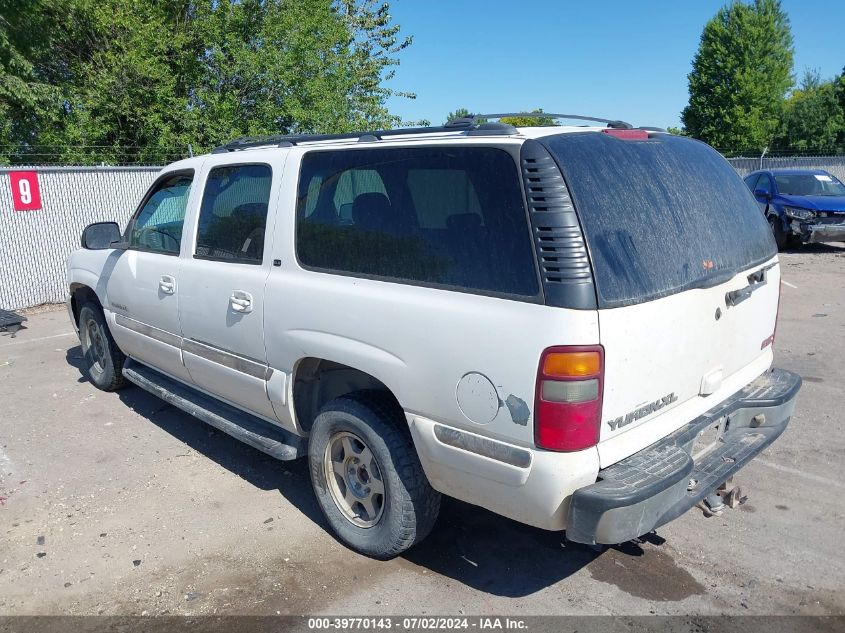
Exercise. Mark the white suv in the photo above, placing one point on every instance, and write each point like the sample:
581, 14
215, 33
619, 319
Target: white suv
570, 326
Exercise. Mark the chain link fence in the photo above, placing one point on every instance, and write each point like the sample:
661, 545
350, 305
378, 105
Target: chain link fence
34, 245
832, 164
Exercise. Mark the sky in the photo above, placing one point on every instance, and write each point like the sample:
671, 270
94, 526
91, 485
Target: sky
611, 59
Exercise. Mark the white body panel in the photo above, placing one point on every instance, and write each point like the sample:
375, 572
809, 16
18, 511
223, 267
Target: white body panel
670, 346
423, 342
418, 341
134, 290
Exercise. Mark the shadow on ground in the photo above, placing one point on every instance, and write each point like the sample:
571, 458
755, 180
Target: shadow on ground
820, 248
469, 544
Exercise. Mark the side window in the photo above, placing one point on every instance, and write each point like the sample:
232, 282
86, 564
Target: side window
442, 196
443, 216
764, 184
350, 185
158, 223
751, 181
233, 215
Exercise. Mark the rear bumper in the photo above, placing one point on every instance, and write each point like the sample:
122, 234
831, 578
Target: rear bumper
658, 484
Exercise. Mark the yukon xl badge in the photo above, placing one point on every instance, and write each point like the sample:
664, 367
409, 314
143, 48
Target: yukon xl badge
641, 412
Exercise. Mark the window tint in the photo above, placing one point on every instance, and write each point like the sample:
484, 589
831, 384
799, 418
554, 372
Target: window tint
439, 194
751, 181
158, 224
809, 185
353, 183
450, 217
233, 214
764, 184
659, 216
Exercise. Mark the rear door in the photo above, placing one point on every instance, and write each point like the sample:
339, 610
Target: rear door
686, 278
221, 307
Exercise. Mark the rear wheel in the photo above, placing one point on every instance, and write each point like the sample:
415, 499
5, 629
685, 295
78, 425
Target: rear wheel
102, 359
367, 477
781, 237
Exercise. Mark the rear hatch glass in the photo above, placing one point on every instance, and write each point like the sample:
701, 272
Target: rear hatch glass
659, 216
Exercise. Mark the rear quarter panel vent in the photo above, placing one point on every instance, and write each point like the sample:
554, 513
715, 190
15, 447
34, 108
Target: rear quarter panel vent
558, 241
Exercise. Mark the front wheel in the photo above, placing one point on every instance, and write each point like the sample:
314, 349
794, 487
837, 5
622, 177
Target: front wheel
781, 237
367, 476
102, 359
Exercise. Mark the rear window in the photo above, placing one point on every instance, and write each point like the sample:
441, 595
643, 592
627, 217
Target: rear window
446, 217
659, 216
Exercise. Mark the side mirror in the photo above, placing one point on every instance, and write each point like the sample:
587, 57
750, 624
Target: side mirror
100, 235
762, 193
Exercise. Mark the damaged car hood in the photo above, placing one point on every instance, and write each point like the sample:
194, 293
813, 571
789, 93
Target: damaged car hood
816, 203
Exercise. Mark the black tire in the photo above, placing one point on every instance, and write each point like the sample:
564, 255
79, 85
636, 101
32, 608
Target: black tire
409, 505
781, 237
103, 361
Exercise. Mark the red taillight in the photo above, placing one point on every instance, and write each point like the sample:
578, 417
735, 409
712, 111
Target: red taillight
568, 397
628, 135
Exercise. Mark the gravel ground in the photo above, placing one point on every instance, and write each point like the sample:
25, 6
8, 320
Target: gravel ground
120, 504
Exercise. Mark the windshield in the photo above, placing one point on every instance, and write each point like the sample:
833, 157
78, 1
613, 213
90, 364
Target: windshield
660, 216
809, 185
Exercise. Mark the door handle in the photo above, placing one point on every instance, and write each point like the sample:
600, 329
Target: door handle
167, 284
241, 301
756, 280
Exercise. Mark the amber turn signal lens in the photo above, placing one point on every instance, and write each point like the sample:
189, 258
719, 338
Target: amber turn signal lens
571, 364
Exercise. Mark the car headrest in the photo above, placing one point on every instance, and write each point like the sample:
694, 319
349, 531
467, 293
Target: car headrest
464, 221
250, 208
373, 212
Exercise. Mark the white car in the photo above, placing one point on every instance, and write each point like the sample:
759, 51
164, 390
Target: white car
570, 326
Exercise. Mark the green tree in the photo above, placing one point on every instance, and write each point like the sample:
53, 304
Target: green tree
460, 113
740, 76
22, 92
138, 80
839, 87
813, 118
529, 121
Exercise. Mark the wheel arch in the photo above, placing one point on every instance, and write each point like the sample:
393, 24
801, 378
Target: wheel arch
80, 294
316, 381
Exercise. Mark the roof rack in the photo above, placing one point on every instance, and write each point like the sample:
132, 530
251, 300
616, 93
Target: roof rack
289, 140
470, 120
470, 124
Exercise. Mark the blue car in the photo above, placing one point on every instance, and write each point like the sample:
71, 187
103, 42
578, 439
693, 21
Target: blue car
803, 206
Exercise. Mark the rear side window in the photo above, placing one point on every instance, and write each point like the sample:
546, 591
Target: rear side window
157, 226
751, 181
659, 216
450, 217
233, 215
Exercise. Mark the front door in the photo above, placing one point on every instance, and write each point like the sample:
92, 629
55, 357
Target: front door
144, 285
222, 302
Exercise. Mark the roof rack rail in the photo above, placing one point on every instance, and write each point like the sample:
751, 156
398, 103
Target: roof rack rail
470, 120
289, 140
471, 124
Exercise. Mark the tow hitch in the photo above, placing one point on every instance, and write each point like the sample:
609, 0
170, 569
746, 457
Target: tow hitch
726, 494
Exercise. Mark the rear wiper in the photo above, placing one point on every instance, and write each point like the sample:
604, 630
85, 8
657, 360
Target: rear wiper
714, 279
756, 280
